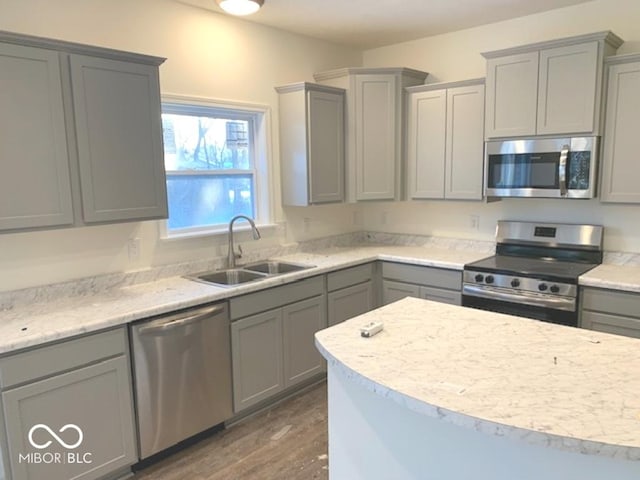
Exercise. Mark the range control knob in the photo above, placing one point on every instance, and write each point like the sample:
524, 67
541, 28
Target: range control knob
479, 277
554, 288
542, 287
515, 283
488, 279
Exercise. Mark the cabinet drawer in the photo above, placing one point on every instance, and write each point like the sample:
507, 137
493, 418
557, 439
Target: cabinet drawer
618, 325
611, 301
275, 297
437, 277
441, 295
349, 276
45, 361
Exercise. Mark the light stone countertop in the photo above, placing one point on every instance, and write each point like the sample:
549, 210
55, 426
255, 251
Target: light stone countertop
540, 383
617, 277
61, 318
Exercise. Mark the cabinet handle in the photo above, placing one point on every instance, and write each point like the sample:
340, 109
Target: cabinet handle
177, 321
562, 170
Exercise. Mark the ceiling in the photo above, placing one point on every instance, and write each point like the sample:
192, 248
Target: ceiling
368, 24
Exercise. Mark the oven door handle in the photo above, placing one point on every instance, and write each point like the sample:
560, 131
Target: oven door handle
556, 303
562, 170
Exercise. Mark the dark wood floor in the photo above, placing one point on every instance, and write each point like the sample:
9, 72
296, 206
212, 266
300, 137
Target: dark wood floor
287, 442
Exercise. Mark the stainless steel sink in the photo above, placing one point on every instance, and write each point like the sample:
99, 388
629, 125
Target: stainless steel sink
272, 267
248, 273
235, 276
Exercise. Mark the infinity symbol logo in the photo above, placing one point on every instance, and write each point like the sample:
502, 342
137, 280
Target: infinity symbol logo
53, 434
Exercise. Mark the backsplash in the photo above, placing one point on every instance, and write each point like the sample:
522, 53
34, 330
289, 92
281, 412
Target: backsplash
96, 284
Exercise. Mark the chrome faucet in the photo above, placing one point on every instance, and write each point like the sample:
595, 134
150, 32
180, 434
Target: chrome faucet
232, 255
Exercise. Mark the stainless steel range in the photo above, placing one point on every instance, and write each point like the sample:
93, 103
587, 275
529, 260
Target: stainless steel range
535, 270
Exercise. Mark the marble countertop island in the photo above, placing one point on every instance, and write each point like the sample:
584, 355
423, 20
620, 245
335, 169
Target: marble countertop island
522, 380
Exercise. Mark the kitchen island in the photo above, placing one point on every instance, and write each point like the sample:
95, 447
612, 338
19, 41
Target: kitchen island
451, 393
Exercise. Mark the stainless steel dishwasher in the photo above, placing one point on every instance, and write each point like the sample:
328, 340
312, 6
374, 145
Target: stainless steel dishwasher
182, 367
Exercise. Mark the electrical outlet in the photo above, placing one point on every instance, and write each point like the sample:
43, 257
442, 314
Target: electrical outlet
474, 222
307, 224
384, 217
356, 218
133, 248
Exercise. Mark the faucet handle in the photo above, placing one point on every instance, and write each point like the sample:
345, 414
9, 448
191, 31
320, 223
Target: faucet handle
239, 255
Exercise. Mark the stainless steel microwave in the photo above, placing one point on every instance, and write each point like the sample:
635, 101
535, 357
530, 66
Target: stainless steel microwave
547, 168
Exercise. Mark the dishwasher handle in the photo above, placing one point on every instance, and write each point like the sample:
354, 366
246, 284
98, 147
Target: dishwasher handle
181, 320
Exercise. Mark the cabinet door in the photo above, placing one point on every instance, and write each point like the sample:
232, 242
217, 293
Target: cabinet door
117, 115
440, 295
465, 143
35, 189
256, 353
512, 93
567, 94
96, 400
426, 144
300, 322
325, 132
376, 119
394, 291
349, 302
620, 150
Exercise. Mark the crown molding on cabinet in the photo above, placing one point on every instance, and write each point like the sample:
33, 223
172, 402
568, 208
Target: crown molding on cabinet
607, 37
77, 48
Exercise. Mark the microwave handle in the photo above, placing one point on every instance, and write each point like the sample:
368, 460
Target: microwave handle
562, 170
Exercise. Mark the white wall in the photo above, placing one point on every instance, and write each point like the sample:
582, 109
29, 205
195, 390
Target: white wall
209, 55
456, 56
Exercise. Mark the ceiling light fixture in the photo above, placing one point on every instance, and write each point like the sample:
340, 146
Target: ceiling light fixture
240, 7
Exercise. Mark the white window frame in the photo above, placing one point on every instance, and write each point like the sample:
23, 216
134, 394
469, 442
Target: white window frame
259, 117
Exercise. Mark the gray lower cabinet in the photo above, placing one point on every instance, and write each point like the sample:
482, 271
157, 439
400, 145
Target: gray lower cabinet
394, 291
351, 293
610, 311
256, 346
300, 322
437, 284
272, 339
350, 302
77, 423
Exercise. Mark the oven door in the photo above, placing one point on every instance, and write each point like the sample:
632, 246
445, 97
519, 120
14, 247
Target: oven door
522, 307
549, 168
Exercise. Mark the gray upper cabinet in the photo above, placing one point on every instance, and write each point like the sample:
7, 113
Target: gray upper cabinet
81, 135
311, 144
119, 134
547, 88
375, 128
512, 90
35, 188
445, 142
620, 149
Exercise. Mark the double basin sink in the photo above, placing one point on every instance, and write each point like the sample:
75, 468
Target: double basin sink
248, 273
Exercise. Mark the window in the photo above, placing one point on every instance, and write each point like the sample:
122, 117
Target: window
214, 160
